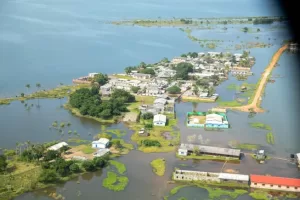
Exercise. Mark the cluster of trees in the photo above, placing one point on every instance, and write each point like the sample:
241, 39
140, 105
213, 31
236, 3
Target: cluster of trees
147, 115
174, 90
182, 70
147, 71
142, 66
89, 103
186, 21
151, 143
3, 163
191, 54
100, 78
52, 171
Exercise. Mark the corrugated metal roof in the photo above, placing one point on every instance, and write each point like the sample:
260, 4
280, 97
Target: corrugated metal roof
292, 182
160, 118
298, 156
235, 177
214, 150
58, 146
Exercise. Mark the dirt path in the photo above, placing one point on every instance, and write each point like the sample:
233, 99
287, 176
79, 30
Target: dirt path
255, 104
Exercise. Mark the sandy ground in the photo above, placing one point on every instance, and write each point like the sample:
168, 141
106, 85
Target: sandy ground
76, 152
255, 105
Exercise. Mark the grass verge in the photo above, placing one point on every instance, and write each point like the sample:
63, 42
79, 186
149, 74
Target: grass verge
209, 157
270, 138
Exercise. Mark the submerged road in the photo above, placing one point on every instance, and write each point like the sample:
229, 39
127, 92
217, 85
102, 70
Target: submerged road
255, 104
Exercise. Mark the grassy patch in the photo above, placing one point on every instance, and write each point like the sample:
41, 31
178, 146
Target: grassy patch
78, 141
115, 182
261, 126
119, 166
156, 134
270, 138
158, 166
23, 179
126, 147
234, 103
86, 148
58, 92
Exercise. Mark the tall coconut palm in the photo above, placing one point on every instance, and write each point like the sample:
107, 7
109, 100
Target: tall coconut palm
17, 146
38, 85
28, 86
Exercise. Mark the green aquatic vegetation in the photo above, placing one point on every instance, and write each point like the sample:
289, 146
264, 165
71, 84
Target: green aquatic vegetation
117, 132
259, 195
182, 198
54, 124
62, 125
215, 193
261, 126
232, 87
247, 146
158, 166
270, 138
177, 188
211, 45
115, 182
69, 132
234, 103
119, 166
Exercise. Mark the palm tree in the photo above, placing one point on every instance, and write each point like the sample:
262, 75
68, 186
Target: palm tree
28, 86
38, 85
17, 146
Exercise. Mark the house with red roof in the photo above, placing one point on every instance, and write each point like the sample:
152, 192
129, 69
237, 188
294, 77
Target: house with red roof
275, 183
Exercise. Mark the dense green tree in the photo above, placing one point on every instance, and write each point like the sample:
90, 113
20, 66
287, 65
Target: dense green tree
258, 30
245, 29
118, 144
22, 94
51, 154
89, 166
174, 90
135, 89
122, 94
99, 162
48, 176
204, 83
74, 168
3, 163
100, 78
183, 55
147, 115
182, 70
150, 143
147, 71
194, 55
95, 90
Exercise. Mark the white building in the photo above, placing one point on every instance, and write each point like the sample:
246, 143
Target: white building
234, 177
102, 143
92, 74
159, 120
298, 158
182, 152
58, 146
214, 119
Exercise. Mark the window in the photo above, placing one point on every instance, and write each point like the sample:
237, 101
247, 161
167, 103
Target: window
279, 186
263, 184
271, 185
287, 187
255, 183
296, 188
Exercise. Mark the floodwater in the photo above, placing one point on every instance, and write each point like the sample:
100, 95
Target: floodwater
51, 42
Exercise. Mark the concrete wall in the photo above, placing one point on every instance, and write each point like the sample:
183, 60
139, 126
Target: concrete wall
274, 187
